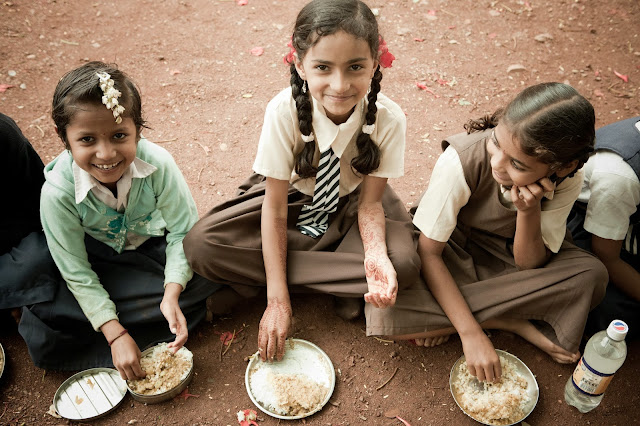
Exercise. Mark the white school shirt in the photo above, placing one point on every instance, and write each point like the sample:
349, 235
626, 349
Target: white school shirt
84, 183
280, 141
612, 192
448, 192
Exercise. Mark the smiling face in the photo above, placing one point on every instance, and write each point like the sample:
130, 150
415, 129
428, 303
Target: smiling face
99, 145
510, 166
338, 70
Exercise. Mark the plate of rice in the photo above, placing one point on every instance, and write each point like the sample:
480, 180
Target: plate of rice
507, 402
168, 374
297, 386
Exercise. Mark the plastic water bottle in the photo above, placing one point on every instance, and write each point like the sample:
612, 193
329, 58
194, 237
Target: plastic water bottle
603, 356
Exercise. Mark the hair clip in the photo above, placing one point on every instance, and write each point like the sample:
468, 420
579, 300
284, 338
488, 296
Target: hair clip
309, 138
368, 128
110, 95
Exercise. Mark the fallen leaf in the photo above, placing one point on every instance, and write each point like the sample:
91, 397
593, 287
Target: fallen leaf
174, 72
53, 413
257, 51
541, 38
418, 39
515, 68
226, 337
622, 76
442, 82
424, 87
4, 87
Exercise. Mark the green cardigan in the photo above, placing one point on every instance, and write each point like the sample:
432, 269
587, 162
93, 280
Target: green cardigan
159, 203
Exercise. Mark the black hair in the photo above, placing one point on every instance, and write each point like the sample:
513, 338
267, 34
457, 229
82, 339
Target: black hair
317, 19
551, 121
81, 85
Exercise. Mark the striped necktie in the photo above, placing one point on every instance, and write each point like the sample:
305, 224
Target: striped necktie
314, 219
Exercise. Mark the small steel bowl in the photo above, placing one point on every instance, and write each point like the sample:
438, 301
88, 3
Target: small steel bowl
164, 396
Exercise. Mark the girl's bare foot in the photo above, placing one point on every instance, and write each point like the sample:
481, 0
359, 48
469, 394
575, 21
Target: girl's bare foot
430, 342
530, 333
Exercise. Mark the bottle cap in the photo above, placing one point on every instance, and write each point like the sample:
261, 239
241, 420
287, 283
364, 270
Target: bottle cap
617, 330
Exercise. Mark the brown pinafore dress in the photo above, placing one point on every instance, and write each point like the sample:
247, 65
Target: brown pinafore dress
479, 255
225, 245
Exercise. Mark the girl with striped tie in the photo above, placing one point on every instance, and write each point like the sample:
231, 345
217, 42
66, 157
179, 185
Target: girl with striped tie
318, 215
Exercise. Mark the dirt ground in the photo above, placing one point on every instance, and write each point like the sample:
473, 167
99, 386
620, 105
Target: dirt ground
204, 93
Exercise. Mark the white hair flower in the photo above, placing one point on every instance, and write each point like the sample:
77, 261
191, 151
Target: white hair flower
110, 95
309, 138
368, 128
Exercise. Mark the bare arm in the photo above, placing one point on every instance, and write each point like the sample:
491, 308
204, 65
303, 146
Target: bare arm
381, 275
480, 354
276, 320
529, 250
621, 274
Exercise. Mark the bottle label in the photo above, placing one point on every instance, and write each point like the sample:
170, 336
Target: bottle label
589, 381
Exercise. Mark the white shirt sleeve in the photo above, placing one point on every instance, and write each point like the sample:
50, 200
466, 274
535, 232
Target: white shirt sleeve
614, 196
275, 156
555, 211
448, 192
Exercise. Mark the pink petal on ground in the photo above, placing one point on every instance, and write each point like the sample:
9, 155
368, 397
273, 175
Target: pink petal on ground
492, 36
418, 39
242, 2
4, 87
598, 93
257, 51
431, 12
174, 72
622, 76
406, 423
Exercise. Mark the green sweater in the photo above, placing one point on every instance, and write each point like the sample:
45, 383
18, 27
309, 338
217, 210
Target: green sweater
157, 203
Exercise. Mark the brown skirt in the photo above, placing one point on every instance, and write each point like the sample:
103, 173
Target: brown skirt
225, 246
558, 295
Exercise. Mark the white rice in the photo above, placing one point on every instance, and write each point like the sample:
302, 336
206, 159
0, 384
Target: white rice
500, 403
164, 369
294, 386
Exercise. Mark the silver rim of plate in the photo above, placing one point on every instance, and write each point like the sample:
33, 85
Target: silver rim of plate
3, 360
533, 390
90, 394
255, 360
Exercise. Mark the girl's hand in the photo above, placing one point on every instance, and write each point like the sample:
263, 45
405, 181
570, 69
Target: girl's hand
126, 355
482, 360
529, 197
274, 329
381, 280
172, 312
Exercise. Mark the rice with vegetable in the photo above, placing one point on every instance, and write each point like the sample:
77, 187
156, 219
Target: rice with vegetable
500, 403
164, 370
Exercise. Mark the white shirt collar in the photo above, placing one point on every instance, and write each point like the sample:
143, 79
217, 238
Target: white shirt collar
84, 183
326, 131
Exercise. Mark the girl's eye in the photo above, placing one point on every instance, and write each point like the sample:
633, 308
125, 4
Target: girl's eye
516, 166
119, 136
356, 67
86, 139
322, 67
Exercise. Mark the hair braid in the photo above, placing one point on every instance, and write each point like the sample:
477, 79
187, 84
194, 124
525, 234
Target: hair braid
304, 159
368, 158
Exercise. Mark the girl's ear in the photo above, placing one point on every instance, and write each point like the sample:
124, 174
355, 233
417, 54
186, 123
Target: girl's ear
299, 66
375, 67
567, 169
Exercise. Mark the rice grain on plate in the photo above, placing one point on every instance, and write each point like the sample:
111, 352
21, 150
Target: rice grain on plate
164, 370
500, 403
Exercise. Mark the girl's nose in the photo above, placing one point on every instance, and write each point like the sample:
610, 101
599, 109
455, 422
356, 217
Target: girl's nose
497, 159
339, 83
105, 151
